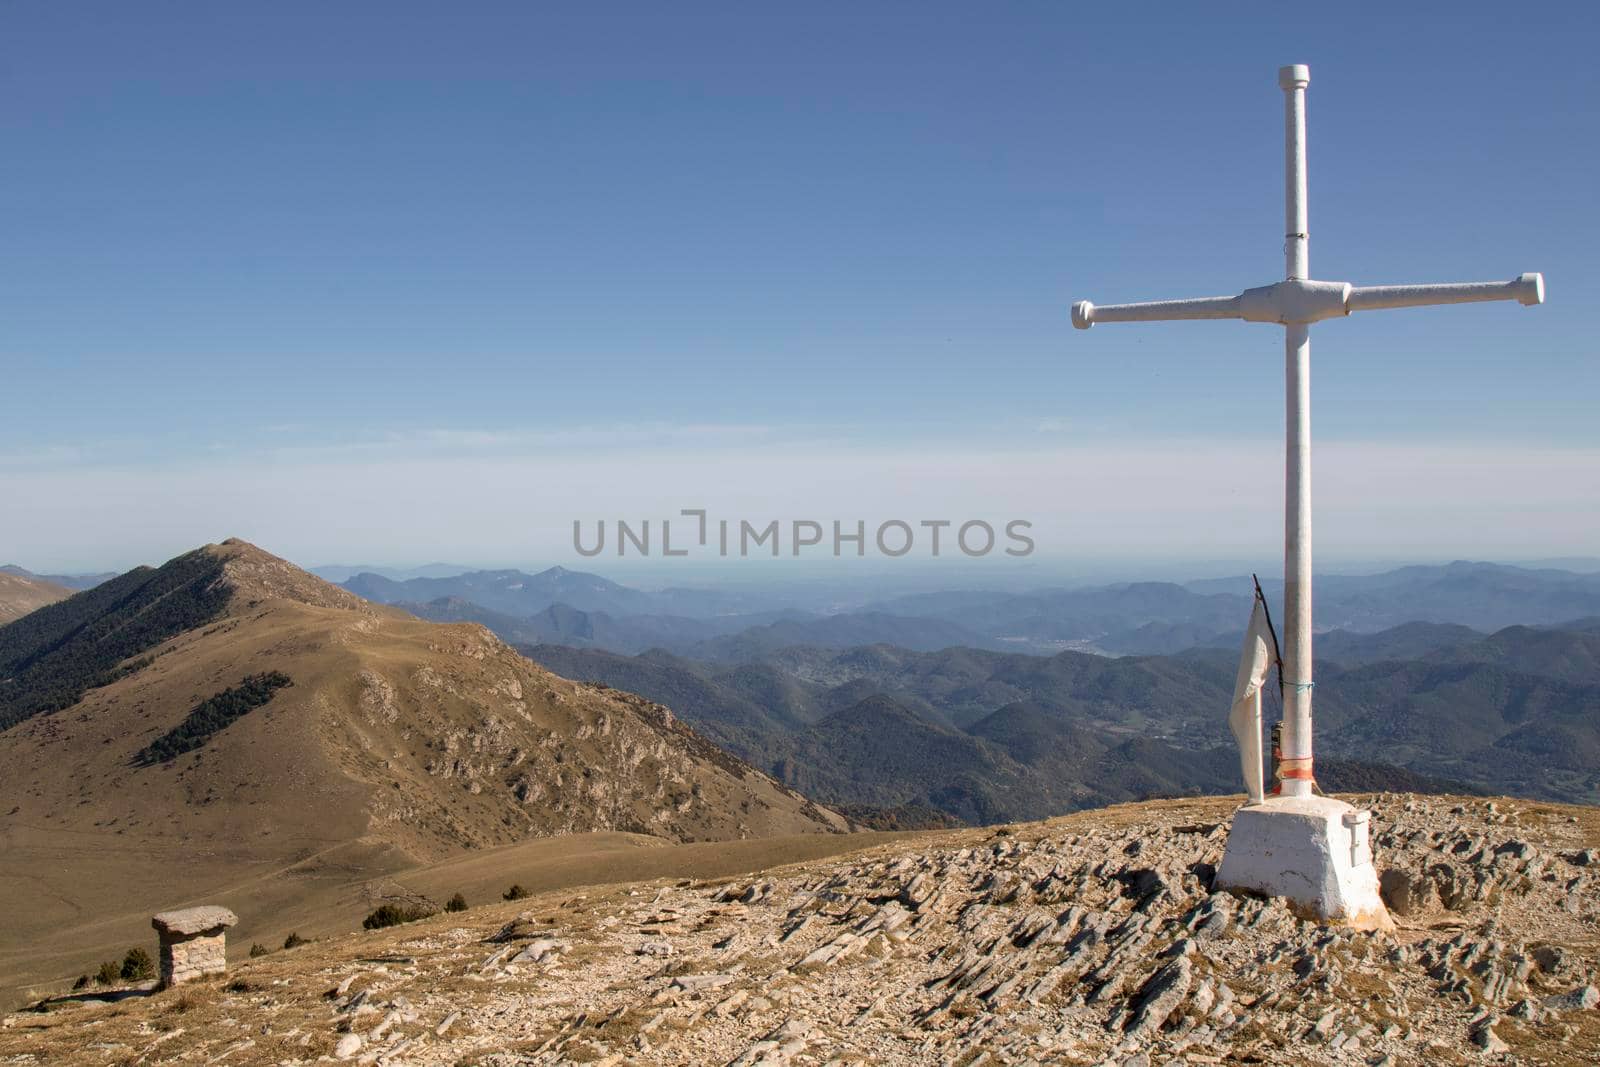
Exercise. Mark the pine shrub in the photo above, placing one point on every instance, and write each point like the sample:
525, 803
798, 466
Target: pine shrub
137, 965
394, 915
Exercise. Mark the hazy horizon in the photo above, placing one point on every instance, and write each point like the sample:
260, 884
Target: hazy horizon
882, 576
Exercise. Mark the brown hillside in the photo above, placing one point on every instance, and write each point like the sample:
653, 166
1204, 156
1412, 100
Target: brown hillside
430, 737
19, 595
399, 741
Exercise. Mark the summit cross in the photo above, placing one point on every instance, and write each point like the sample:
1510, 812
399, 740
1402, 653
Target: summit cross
1295, 303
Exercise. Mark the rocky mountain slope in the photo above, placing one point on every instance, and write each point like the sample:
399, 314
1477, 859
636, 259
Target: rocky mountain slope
979, 737
21, 594
232, 717
433, 737
1093, 939
1516, 711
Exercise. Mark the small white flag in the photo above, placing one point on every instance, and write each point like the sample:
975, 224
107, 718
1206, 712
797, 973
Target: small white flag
1244, 719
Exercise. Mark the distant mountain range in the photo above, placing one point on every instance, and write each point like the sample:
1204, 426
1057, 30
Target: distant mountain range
563, 624
74, 582
585, 610
509, 592
519, 594
981, 735
1153, 617
1484, 596
341, 572
870, 743
1142, 618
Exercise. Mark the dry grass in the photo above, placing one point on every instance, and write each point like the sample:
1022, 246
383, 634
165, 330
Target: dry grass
19, 596
396, 749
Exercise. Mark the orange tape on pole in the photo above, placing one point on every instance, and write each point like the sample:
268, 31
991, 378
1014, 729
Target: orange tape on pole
1298, 767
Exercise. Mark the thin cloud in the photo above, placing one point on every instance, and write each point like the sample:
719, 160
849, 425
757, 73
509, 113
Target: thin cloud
1110, 499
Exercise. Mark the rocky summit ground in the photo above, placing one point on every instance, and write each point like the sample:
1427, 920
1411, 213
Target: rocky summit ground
1088, 939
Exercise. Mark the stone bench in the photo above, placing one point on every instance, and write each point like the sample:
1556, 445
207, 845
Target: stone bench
193, 944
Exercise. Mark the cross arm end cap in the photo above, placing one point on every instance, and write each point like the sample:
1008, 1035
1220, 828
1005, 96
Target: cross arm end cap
1530, 289
1083, 314
1295, 76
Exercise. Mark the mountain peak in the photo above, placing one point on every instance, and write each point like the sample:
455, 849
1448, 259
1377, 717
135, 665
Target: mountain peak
257, 574
278, 722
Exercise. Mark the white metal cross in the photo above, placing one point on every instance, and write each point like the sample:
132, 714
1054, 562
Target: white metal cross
1295, 303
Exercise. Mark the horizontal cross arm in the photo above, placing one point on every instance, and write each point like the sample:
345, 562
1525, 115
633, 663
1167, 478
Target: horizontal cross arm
1085, 314
1527, 289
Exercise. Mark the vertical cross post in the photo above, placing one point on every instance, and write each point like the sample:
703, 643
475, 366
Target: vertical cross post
1296, 225
1314, 850
1296, 768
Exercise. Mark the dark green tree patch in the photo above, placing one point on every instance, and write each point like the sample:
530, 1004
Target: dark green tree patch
211, 716
49, 658
395, 914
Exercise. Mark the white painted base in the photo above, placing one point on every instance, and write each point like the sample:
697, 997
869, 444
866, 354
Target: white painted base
1314, 851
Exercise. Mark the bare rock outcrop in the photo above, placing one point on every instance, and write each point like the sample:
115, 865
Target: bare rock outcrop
1095, 938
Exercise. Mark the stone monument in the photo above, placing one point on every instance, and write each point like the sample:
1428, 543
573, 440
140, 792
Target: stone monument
193, 944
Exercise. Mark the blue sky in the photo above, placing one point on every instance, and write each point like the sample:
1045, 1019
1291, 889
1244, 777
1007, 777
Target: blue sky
344, 254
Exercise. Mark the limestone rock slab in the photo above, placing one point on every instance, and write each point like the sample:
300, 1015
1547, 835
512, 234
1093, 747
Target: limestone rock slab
191, 922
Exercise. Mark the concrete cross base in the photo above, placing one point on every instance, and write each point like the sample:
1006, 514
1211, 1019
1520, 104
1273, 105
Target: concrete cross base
1313, 851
